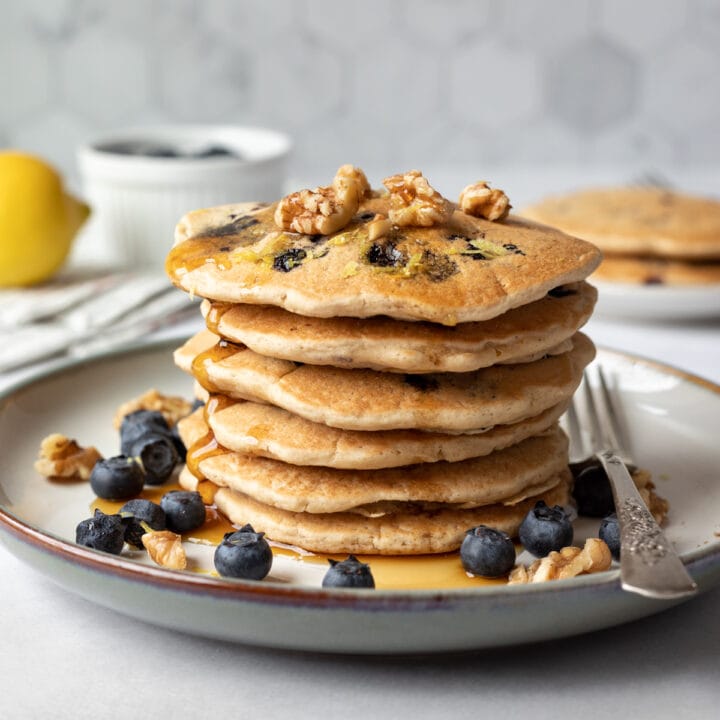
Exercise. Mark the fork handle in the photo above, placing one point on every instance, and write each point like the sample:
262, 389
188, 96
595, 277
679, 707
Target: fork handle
649, 564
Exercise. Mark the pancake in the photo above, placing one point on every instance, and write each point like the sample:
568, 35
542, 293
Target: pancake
381, 343
464, 270
508, 475
657, 271
371, 400
271, 432
652, 222
412, 531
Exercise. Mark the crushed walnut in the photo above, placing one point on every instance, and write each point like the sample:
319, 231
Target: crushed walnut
566, 563
378, 227
658, 506
480, 200
172, 407
62, 457
324, 210
414, 202
165, 548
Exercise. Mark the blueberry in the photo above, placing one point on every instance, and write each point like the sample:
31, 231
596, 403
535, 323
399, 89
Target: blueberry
160, 151
117, 478
349, 573
184, 510
157, 455
289, 259
215, 151
610, 533
487, 552
545, 529
385, 255
244, 554
592, 492
136, 511
197, 403
101, 532
137, 424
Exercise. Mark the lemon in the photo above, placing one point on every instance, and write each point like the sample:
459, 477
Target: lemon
38, 219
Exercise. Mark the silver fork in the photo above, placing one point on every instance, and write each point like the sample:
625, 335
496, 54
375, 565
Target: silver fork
649, 564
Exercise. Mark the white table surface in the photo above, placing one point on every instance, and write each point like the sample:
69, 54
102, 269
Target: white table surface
63, 657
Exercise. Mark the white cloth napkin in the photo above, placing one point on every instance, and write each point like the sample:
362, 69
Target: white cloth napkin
83, 315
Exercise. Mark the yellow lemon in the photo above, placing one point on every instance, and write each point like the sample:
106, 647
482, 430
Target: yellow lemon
38, 219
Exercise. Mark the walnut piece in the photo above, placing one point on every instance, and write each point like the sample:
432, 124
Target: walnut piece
566, 563
165, 548
480, 200
61, 457
378, 227
171, 406
324, 210
414, 202
658, 506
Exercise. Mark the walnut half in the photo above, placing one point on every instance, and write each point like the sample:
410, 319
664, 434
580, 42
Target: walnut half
566, 563
62, 457
414, 202
324, 210
480, 200
165, 548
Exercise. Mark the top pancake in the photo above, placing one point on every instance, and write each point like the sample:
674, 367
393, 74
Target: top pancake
468, 269
637, 221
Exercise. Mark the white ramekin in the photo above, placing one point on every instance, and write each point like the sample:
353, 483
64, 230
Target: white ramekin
137, 200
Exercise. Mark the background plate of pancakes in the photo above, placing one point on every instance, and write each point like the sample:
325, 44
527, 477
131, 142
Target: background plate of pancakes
673, 417
661, 248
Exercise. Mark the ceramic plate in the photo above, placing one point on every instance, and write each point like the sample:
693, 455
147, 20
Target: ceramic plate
674, 420
657, 302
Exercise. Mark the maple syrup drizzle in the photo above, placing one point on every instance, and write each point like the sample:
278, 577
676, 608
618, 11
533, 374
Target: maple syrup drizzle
218, 243
216, 403
202, 449
215, 316
217, 353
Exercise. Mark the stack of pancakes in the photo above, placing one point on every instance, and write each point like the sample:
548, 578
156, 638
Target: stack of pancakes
648, 235
384, 395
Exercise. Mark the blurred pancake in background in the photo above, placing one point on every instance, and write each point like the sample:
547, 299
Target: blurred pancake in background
661, 248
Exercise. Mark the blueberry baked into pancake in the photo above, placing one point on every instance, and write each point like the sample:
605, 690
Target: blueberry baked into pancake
382, 369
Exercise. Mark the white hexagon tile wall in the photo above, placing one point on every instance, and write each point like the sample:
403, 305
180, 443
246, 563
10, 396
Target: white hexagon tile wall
385, 84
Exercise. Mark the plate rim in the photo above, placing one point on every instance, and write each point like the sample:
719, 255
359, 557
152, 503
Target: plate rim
693, 300
281, 594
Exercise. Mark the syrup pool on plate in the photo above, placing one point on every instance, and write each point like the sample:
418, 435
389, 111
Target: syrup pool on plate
391, 572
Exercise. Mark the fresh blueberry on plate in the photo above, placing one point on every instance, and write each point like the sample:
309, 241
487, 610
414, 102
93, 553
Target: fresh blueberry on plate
244, 554
545, 529
101, 532
117, 478
137, 511
487, 552
138, 424
158, 457
610, 533
592, 492
349, 573
184, 510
